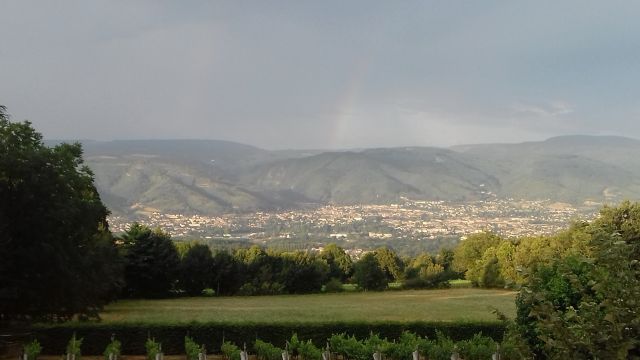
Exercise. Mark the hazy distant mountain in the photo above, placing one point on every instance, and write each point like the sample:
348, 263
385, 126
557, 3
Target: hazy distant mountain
213, 177
566, 168
178, 176
376, 176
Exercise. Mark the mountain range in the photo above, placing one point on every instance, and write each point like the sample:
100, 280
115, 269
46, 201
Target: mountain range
211, 177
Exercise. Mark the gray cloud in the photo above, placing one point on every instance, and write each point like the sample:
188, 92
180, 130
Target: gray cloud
326, 74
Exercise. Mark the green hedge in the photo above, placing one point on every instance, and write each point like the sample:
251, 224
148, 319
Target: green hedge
96, 336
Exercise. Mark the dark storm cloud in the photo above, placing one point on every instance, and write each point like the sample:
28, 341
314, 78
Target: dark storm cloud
325, 74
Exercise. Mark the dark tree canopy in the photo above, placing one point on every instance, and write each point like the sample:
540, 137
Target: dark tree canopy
340, 264
151, 262
368, 274
303, 273
58, 258
196, 270
227, 277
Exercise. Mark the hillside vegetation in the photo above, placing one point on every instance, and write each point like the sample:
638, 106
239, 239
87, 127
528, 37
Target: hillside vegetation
213, 177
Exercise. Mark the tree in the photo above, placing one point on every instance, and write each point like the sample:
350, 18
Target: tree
58, 257
303, 273
260, 271
390, 263
151, 262
585, 306
340, 264
368, 274
196, 269
508, 269
445, 258
227, 271
423, 272
472, 249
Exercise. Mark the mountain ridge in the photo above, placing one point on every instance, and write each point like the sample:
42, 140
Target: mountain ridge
212, 177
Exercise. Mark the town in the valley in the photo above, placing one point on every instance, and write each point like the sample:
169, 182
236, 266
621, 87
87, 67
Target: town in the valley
409, 226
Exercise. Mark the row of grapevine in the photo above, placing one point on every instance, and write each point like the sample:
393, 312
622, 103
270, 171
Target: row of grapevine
339, 346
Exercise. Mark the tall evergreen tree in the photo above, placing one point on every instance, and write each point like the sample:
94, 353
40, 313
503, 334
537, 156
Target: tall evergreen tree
196, 269
151, 262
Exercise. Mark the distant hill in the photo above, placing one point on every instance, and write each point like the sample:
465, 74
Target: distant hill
376, 176
214, 177
566, 168
178, 176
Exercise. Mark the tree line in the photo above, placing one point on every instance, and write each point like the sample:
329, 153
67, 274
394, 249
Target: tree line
578, 290
156, 266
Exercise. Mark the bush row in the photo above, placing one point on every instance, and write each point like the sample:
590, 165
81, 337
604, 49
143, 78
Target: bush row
54, 338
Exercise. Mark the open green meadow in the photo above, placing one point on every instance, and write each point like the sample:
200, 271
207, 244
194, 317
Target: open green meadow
457, 304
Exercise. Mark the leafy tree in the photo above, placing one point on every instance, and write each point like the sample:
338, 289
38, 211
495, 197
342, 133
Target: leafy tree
445, 258
490, 275
340, 264
227, 272
196, 269
183, 247
507, 268
424, 272
390, 262
303, 273
262, 272
151, 262
535, 251
368, 274
58, 257
586, 306
472, 249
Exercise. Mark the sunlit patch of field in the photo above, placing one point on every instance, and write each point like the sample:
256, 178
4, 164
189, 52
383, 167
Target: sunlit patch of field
457, 304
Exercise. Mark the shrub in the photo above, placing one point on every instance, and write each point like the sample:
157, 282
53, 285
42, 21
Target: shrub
441, 348
374, 343
404, 347
477, 348
114, 349
32, 349
230, 351
349, 347
308, 351
96, 336
73, 347
266, 351
333, 286
191, 348
153, 348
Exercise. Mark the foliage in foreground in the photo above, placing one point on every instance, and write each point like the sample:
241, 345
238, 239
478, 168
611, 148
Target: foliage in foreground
191, 348
96, 336
58, 258
230, 351
153, 348
583, 307
32, 349
113, 349
73, 347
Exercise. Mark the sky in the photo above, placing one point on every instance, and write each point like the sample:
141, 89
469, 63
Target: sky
322, 74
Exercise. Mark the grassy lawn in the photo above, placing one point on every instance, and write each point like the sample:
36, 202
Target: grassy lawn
458, 304
460, 283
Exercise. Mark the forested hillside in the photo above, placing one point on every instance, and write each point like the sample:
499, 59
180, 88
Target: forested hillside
213, 177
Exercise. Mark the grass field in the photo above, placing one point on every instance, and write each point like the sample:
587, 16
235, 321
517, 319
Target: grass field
457, 304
